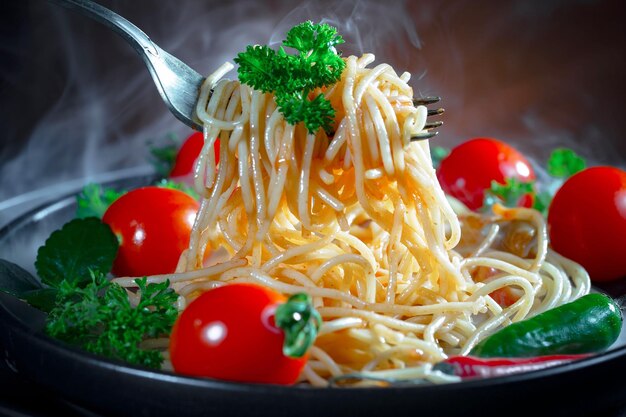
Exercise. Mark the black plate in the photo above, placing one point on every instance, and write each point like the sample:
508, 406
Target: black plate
593, 386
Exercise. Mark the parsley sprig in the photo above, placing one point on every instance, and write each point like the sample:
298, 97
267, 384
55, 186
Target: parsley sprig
94, 200
84, 307
292, 78
100, 319
508, 194
562, 164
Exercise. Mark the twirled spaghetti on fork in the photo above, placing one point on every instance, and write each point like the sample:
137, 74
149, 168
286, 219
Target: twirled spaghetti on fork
358, 220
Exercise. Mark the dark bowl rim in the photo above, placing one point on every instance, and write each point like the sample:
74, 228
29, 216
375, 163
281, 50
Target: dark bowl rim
61, 348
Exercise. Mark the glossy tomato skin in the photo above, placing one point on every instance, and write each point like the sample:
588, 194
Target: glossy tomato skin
587, 221
228, 333
471, 166
153, 225
189, 152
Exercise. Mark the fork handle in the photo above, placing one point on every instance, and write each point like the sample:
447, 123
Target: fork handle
131, 33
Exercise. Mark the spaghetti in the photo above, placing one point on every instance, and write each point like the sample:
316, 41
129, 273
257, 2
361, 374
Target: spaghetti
359, 221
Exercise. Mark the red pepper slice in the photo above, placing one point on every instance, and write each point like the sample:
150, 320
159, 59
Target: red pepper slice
474, 367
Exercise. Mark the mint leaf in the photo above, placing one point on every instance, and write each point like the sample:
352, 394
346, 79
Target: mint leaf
15, 280
564, 162
94, 200
80, 246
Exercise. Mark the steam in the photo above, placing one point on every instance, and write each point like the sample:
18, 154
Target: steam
360, 25
504, 77
108, 109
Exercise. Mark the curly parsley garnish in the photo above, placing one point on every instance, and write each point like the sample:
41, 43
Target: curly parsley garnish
508, 194
562, 164
94, 200
85, 308
293, 77
100, 319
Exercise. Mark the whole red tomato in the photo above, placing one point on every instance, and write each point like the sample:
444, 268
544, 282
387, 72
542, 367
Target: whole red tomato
153, 225
229, 333
189, 152
587, 221
470, 168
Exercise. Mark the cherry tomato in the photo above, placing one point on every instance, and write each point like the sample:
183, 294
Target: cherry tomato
504, 297
470, 168
587, 221
153, 225
229, 333
189, 152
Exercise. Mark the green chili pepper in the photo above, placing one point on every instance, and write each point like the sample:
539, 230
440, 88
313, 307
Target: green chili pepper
590, 324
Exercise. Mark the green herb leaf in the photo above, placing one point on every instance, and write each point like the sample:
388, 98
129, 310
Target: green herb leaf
306, 37
314, 113
262, 68
94, 200
80, 246
292, 77
163, 156
181, 186
44, 299
300, 322
20, 283
508, 194
15, 280
438, 154
542, 202
77, 311
563, 163
100, 319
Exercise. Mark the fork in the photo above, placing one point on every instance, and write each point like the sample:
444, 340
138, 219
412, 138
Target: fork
430, 126
178, 84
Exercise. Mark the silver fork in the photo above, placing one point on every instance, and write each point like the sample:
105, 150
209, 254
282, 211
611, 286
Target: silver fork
177, 83
429, 127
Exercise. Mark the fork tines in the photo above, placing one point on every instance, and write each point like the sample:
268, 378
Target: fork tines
425, 101
433, 125
430, 126
436, 112
424, 135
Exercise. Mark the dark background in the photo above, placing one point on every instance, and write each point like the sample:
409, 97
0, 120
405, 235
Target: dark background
76, 101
